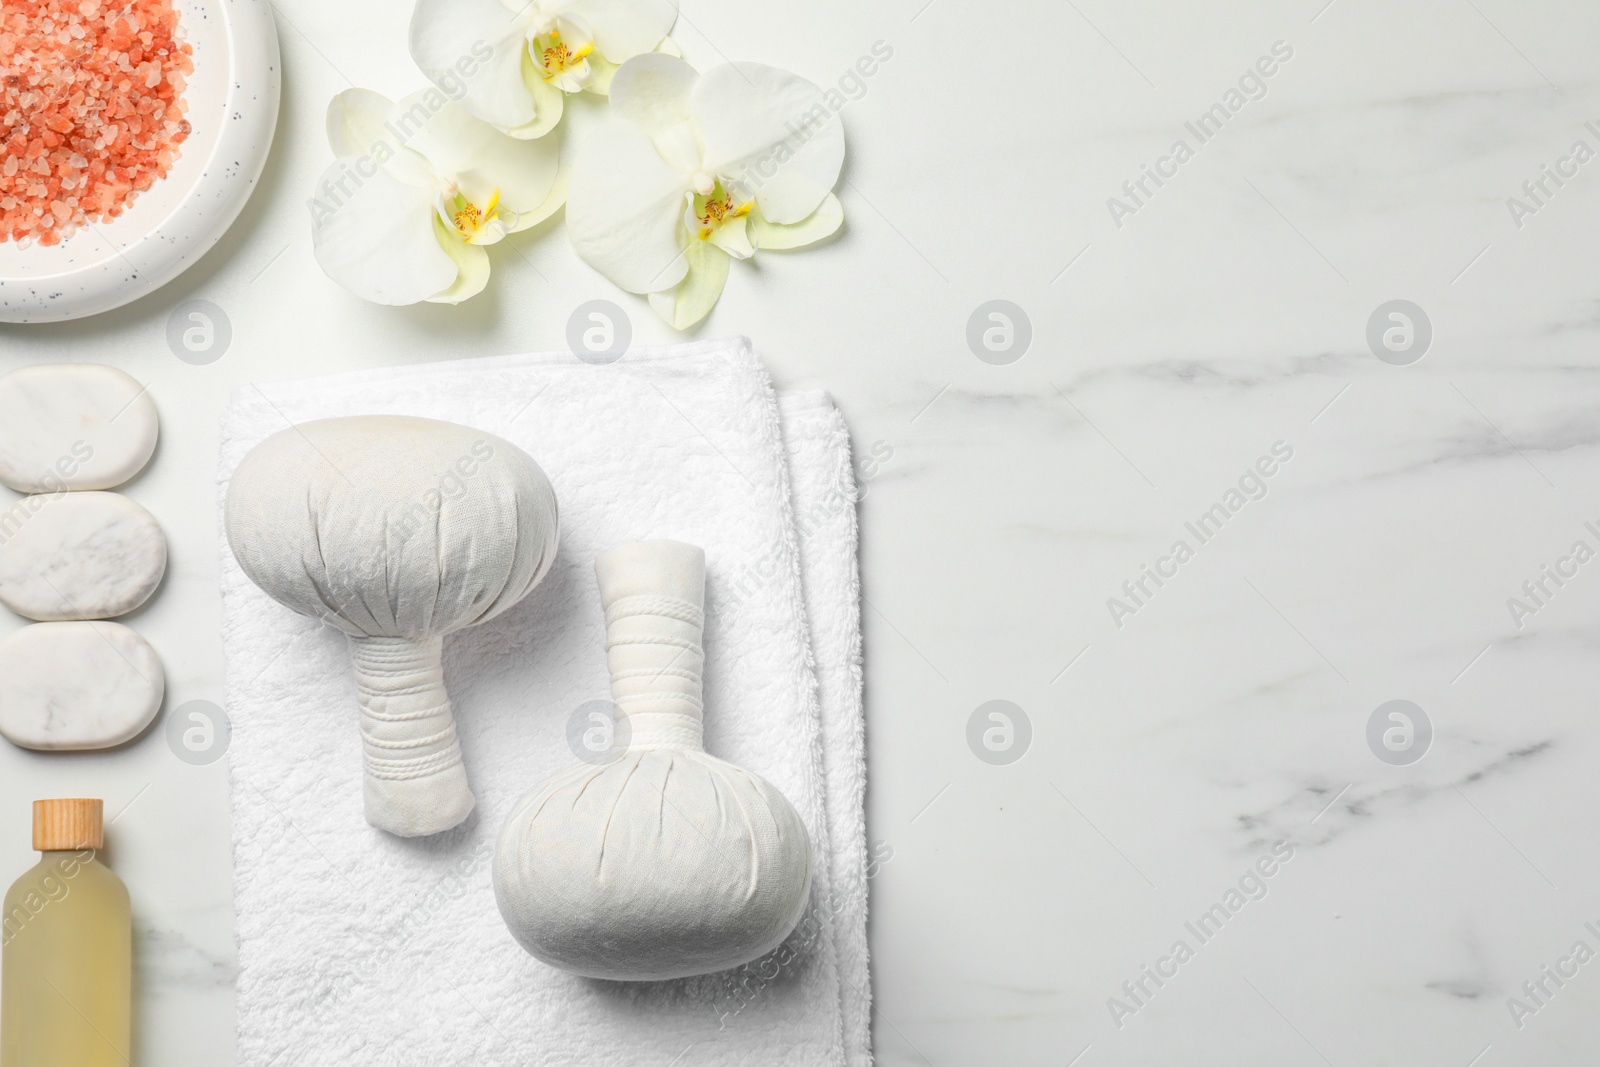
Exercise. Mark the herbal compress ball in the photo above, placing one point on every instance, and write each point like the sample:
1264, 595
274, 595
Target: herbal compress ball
664, 862
398, 531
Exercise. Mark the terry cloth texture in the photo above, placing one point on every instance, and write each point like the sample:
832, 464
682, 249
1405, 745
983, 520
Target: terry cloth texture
356, 947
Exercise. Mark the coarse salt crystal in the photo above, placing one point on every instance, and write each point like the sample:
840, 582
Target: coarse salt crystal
90, 104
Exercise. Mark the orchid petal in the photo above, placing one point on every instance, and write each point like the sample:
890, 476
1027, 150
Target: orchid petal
548, 103
625, 28
408, 167
574, 79
481, 159
575, 35
355, 121
653, 91
664, 304
821, 223
601, 71
733, 237
529, 218
624, 212
472, 50
379, 240
471, 261
773, 134
693, 300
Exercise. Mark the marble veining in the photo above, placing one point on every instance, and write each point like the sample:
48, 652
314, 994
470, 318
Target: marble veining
999, 515
170, 959
73, 426
70, 686
66, 556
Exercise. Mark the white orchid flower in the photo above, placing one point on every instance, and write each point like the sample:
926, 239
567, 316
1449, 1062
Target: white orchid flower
694, 169
512, 62
419, 188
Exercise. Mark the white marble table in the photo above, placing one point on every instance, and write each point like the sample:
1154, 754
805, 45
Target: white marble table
1176, 738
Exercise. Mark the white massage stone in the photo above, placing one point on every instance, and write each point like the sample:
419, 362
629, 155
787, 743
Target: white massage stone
73, 426
68, 686
78, 556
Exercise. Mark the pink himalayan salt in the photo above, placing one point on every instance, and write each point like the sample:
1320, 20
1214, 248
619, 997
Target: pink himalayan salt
91, 110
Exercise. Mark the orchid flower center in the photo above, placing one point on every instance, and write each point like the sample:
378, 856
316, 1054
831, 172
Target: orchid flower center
560, 51
471, 222
710, 210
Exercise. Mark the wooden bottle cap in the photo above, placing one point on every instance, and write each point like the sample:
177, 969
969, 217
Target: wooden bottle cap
68, 825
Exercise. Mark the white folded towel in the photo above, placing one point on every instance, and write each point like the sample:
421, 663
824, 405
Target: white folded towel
356, 947
823, 490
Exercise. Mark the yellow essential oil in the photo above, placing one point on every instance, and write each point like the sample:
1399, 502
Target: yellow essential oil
66, 949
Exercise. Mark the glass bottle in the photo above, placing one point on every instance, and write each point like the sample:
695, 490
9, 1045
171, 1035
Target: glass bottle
66, 949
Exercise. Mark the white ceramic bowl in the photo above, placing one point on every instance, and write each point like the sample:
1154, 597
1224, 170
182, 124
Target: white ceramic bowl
232, 109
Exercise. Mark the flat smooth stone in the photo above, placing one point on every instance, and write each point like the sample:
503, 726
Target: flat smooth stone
78, 556
73, 426
70, 686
